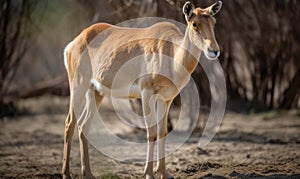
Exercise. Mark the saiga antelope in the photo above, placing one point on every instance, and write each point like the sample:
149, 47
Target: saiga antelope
101, 67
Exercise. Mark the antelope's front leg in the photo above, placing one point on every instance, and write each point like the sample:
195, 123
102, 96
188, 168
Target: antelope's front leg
150, 123
162, 117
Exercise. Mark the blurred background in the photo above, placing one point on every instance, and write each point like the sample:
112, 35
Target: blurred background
259, 43
260, 56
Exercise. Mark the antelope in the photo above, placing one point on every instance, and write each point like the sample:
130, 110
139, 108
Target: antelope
101, 64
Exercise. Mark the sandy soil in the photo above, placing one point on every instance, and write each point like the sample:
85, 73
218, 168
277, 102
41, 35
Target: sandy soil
246, 146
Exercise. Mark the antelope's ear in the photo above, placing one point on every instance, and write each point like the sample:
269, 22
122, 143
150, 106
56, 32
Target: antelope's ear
215, 8
187, 9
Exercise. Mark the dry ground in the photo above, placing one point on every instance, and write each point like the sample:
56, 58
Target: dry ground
246, 146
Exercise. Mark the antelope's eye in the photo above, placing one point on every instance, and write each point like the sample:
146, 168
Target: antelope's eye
195, 25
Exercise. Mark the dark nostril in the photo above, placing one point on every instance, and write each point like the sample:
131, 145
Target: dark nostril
215, 52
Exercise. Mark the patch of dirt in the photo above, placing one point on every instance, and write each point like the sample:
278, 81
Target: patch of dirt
245, 146
196, 167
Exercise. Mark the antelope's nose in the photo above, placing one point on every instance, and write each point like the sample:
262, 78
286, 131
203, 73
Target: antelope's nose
213, 53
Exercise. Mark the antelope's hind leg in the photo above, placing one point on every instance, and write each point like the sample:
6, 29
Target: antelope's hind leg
68, 136
93, 101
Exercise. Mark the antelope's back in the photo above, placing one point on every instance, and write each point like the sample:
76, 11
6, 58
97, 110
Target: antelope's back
110, 47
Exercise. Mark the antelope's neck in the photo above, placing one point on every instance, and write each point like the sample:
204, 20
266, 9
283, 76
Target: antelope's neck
187, 54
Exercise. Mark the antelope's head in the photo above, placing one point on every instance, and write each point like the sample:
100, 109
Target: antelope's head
201, 24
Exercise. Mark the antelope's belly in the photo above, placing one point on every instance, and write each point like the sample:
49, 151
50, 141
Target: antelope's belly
124, 91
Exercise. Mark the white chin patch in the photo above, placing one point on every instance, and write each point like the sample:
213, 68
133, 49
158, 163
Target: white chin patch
210, 56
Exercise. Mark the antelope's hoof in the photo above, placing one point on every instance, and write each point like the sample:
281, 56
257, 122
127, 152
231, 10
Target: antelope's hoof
149, 177
170, 177
66, 177
89, 176
165, 175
